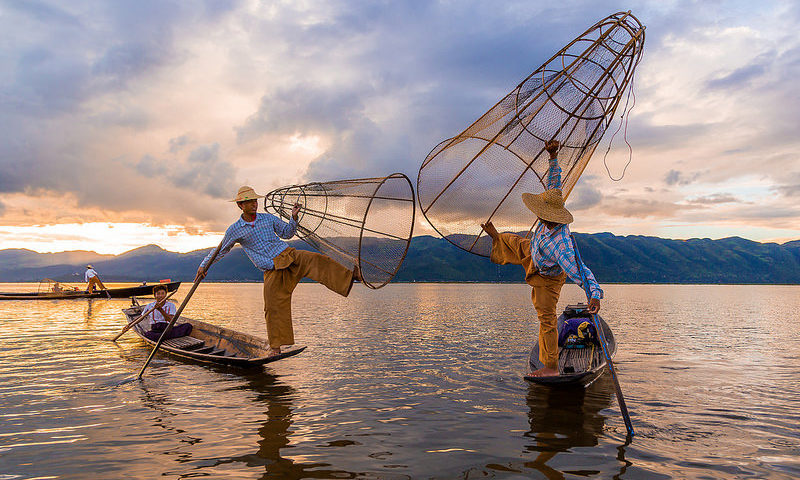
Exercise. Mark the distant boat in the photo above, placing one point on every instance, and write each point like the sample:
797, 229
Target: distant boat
212, 344
62, 293
576, 366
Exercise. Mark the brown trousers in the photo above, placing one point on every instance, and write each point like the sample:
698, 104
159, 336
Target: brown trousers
510, 248
95, 281
290, 266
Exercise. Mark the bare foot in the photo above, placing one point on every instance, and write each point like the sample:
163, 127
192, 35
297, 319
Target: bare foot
544, 372
273, 351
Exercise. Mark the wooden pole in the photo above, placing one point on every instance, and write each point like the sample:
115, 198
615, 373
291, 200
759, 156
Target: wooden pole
180, 309
140, 318
602, 337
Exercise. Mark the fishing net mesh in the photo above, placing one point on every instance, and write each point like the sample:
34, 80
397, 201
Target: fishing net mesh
480, 174
366, 222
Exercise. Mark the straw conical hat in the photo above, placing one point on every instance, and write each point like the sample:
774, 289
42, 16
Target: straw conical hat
246, 193
548, 205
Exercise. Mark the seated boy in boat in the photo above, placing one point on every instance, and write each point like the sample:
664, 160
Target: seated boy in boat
161, 315
548, 259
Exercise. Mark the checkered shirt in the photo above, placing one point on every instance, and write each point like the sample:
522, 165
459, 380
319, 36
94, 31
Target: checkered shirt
552, 250
155, 316
260, 240
554, 175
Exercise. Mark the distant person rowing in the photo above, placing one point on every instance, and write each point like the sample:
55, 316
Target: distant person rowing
93, 280
160, 316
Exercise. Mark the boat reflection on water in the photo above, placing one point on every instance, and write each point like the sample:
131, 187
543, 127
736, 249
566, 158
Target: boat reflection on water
275, 431
563, 419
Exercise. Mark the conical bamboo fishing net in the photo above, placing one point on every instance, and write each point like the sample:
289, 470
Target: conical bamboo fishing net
366, 222
480, 174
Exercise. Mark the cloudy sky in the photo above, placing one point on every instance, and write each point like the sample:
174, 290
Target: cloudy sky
131, 122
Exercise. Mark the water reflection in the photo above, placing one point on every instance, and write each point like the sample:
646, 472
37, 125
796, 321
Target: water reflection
160, 403
711, 402
275, 433
562, 419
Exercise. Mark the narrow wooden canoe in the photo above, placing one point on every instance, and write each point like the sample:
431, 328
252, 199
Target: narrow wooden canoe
124, 292
212, 344
576, 367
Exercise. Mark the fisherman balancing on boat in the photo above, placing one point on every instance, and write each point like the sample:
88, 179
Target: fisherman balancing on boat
548, 259
161, 313
283, 266
92, 279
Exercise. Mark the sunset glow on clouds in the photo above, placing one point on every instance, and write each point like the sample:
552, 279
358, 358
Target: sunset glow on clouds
128, 123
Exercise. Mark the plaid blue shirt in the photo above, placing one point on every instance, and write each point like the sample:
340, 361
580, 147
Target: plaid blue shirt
553, 253
554, 175
552, 250
260, 240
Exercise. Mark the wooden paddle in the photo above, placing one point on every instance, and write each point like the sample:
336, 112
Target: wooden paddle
602, 337
180, 309
140, 318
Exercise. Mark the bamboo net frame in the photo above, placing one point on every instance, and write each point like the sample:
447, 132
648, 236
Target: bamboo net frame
480, 174
366, 222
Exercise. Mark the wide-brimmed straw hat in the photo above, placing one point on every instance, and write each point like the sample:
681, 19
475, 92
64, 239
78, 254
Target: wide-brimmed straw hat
246, 193
548, 205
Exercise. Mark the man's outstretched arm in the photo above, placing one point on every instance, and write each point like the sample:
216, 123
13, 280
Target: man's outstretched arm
554, 172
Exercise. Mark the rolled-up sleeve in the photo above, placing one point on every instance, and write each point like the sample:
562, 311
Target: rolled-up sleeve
554, 175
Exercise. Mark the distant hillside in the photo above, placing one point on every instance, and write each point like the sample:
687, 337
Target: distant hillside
613, 259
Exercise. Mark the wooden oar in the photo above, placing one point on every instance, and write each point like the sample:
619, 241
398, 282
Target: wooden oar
141, 317
601, 335
180, 309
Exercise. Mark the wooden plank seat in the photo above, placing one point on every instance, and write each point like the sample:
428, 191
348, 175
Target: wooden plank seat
185, 343
579, 359
213, 344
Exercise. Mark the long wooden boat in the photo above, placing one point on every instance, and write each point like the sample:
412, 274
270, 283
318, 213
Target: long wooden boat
576, 366
212, 344
124, 292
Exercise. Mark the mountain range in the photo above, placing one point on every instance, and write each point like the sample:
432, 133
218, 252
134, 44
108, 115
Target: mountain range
612, 258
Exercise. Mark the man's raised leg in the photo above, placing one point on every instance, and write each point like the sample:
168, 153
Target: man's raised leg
324, 270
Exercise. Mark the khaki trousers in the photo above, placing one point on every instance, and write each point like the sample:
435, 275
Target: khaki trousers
95, 282
516, 250
290, 267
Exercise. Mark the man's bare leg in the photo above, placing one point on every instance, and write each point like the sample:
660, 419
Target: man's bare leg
544, 372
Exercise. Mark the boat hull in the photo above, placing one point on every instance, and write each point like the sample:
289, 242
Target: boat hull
595, 365
124, 292
217, 345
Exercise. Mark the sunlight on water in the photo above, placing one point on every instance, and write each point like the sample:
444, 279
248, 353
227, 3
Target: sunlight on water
410, 381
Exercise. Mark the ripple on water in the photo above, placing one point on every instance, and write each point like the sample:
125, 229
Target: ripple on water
408, 381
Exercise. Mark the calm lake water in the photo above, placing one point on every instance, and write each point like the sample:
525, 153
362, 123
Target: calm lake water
410, 381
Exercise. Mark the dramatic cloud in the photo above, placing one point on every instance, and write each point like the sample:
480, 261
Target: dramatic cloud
585, 195
156, 111
674, 177
714, 199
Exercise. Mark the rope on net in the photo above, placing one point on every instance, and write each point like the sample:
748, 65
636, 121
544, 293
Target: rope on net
480, 174
366, 222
